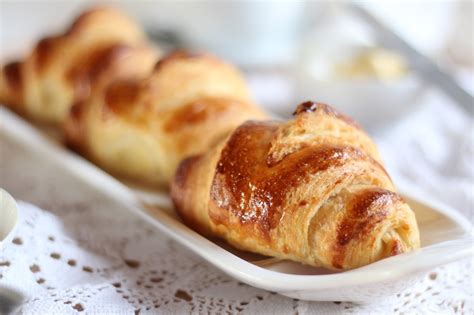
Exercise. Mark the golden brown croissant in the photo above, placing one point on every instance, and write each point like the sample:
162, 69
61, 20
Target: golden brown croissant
312, 190
64, 69
143, 128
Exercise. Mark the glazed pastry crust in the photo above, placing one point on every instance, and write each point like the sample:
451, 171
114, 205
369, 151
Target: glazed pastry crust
312, 190
142, 128
121, 106
64, 69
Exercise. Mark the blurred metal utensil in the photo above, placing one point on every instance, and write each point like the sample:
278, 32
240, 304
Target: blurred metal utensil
166, 40
10, 300
421, 64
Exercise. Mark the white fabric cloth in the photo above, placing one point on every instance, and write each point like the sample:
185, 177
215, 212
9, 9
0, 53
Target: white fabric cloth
86, 253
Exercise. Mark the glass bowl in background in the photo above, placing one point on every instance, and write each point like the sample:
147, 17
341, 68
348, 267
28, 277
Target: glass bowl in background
341, 64
370, 84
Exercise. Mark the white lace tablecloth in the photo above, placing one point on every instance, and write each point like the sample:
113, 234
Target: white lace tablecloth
84, 253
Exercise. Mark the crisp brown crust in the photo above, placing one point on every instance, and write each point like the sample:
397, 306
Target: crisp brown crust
183, 171
122, 107
175, 110
12, 85
321, 199
66, 68
180, 186
233, 189
366, 209
74, 128
120, 94
254, 191
197, 112
13, 75
315, 124
47, 48
111, 74
87, 70
45, 52
310, 107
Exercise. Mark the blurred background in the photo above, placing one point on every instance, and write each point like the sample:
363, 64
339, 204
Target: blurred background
327, 51
296, 49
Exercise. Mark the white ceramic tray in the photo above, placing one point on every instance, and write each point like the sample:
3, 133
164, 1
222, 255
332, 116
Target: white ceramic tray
445, 235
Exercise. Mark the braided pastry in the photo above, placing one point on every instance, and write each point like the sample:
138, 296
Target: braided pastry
143, 128
64, 69
101, 83
312, 190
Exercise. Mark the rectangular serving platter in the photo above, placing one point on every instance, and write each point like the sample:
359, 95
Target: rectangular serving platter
446, 236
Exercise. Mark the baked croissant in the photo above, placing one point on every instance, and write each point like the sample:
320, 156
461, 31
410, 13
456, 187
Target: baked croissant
312, 190
143, 128
64, 69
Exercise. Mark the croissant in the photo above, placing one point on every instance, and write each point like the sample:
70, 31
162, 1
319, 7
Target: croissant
64, 69
142, 128
311, 190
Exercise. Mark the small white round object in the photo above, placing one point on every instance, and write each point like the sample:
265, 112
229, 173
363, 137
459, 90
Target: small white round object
8, 217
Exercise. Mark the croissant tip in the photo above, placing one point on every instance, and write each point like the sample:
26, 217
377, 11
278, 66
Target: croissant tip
312, 107
305, 107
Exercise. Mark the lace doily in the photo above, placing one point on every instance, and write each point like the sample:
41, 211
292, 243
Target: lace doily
86, 253
75, 264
